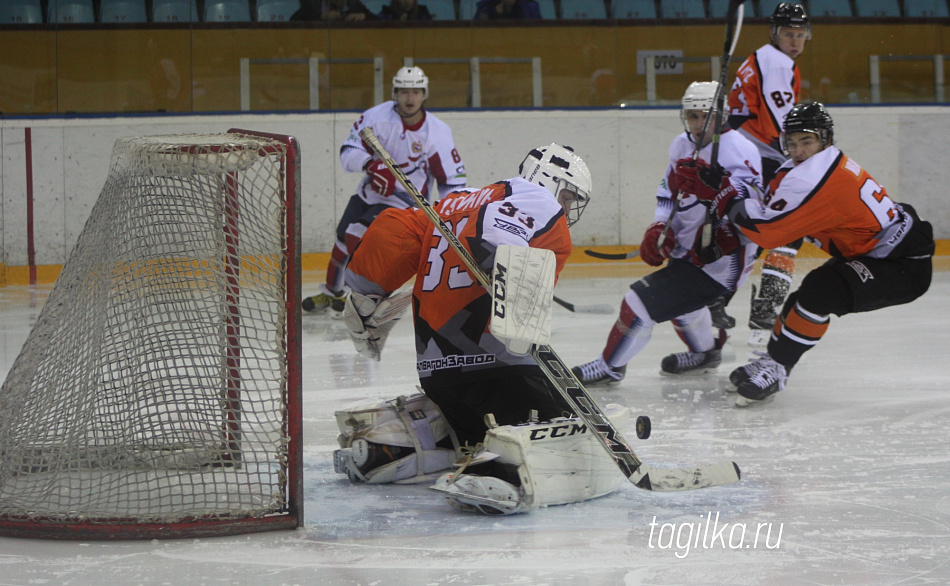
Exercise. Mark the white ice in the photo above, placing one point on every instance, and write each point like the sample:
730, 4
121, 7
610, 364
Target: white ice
849, 468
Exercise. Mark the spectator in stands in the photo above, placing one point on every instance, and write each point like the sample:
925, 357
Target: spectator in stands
507, 10
346, 10
405, 10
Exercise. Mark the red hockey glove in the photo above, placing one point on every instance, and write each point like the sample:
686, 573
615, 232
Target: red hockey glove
725, 241
707, 183
651, 251
381, 177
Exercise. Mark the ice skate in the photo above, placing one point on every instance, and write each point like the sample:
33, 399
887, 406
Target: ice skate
758, 381
597, 372
323, 301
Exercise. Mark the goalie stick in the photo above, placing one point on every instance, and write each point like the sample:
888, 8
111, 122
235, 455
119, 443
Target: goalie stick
734, 17
640, 474
611, 256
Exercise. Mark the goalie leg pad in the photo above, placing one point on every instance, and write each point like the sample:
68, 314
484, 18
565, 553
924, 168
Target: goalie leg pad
393, 441
557, 462
370, 318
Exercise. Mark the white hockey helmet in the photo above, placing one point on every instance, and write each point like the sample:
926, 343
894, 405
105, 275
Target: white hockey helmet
412, 78
556, 168
700, 95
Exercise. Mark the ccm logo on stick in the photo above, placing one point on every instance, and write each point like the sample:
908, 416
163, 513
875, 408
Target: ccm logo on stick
558, 431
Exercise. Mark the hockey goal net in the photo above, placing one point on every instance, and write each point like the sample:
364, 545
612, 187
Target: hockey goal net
158, 394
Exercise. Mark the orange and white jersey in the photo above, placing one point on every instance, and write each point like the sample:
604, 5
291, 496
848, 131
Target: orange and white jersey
451, 309
767, 85
425, 152
830, 200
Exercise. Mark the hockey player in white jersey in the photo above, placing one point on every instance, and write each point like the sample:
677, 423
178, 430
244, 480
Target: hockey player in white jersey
681, 290
419, 142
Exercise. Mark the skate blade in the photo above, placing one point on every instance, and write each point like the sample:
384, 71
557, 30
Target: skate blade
745, 402
691, 373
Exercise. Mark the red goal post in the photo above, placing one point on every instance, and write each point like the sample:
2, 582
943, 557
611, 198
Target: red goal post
159, 393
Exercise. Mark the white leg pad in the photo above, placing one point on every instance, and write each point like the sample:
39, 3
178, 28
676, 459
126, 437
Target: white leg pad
393, 441
558, 462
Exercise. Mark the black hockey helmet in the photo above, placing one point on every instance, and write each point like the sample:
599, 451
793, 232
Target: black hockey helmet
809, 117
789, 15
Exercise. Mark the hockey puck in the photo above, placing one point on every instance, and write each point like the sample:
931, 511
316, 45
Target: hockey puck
643, 427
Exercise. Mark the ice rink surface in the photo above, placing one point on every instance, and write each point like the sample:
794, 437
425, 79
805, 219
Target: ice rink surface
846, 474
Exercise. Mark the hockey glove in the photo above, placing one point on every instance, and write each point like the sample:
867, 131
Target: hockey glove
381, 177
708, 183
725, 241
369, 318
651, 251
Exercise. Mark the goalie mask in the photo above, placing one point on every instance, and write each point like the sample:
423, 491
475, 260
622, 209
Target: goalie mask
556, 168
411, 78
809, 117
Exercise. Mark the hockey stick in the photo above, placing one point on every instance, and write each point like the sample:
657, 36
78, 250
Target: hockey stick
561, 377
609, 256
599, 308
734, 16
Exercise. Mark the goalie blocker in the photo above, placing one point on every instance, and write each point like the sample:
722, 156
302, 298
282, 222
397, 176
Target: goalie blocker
533, 464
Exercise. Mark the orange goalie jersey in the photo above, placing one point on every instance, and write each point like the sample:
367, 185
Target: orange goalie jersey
830, 200
451, 309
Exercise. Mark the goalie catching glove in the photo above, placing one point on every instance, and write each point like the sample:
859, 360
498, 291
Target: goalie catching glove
709, 183
381, 177
369, 318
651, 251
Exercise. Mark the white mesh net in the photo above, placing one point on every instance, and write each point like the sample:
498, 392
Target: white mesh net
154, 385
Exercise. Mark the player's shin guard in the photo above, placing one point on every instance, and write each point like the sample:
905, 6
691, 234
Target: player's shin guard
767, 299
551, 463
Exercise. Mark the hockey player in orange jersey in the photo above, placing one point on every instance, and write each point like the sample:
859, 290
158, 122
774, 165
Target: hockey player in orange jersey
881, 250
767, 85
525, 450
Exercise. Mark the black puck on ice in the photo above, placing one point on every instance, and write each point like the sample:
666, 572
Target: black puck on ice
643, 427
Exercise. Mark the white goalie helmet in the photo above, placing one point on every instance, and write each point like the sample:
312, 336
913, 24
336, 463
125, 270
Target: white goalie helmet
411, 78
556, 168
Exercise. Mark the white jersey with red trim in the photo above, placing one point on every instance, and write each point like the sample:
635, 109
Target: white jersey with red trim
426, 152
737, 155
830, 200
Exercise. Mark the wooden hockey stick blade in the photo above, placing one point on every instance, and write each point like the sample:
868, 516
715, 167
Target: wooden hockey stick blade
558, 374
610, 256
602, 308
